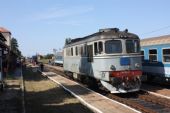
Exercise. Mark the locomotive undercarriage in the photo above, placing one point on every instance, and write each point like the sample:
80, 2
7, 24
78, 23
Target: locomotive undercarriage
115, 85
122, 85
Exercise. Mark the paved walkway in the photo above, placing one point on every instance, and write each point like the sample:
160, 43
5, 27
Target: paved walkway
93, 100
156, 90
10, 98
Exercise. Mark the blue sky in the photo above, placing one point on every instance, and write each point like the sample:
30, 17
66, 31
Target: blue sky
41, 25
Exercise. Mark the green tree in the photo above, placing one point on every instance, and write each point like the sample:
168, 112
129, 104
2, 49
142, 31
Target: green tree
48, 56
14, 47
67, 41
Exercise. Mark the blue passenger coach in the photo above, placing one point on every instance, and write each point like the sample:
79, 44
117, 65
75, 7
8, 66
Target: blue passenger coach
156, 57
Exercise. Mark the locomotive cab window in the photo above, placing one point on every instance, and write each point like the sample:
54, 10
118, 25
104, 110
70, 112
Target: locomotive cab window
98, 48
132, 46
153, 55
166, 55
113, 46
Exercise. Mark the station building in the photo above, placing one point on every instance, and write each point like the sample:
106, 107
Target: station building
5, 47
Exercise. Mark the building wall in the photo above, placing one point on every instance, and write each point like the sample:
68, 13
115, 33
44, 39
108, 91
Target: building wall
7, 36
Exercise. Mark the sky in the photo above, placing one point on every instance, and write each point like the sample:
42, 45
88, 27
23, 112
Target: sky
43, 25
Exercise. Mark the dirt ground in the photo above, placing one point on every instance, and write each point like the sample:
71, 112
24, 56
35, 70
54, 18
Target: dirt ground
44, 96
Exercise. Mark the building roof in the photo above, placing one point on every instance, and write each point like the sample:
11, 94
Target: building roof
2, 37
156, 40
4, 30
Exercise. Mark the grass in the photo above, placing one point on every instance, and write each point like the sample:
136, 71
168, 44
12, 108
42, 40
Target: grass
44, 96
44, 61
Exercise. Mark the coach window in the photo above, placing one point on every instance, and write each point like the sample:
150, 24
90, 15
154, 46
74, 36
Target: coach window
68, 51
65, 52
76, 51
79, 50
71, 51
113, 46
90, 53
166, 55
95, 48
153, 55
82, 52
142, 55
85, 50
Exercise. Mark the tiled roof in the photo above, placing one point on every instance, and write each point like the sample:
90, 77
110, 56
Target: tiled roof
156, 40
4, 30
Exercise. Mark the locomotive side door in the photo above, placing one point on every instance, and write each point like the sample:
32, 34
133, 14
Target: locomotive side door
90, 53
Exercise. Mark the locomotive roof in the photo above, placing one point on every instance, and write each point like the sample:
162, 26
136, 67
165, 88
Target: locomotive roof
103, 34
156, 40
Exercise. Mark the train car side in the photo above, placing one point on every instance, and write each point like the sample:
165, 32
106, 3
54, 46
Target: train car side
156, 58
58, 60
119, 72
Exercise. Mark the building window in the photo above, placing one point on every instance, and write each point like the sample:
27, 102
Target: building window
153, 55
142, 55
166, 55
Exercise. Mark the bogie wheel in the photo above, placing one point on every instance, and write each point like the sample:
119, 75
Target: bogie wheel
92, 83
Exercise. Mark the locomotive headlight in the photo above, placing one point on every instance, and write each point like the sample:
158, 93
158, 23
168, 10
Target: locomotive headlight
137, 65
112, 67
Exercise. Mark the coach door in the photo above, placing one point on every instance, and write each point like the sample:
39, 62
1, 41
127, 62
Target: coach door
90, 53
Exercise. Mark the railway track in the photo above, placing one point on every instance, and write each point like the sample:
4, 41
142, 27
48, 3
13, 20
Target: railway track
141, 100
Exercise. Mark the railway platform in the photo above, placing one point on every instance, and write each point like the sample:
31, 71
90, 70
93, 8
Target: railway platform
44, 96
156, 90
10, 98
96, 102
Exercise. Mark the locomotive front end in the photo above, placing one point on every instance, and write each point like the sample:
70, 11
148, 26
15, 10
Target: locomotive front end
128, 78
123, 62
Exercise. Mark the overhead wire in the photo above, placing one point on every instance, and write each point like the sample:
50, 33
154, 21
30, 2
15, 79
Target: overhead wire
156, 30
